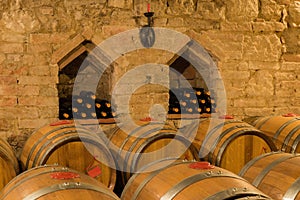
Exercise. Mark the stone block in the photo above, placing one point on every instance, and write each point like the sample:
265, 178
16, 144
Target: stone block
235, 75
262, 48
28, 90
38, 48
41, 71
260, 84
291, 40
8, 112
8, 101
258, 111
211, 10
11, 48
116, 3
47, 101
109, 30
48, 91
28, 59
175, 22
8, 80
185, 7
285, 76
241, 10
238, 113
38, 80
286, 89
13, 37
290, 66
294, 13
279, 100
291, 57
2, 57
7, 125
234, 92
48, 111
268, 26
260, 65
236, 26
224, 46
31, 112
160, 22
27, 100
33, 123
8, 90
37, 38
270, 10
250, 102
46, 10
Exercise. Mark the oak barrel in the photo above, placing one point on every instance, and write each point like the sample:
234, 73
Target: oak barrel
55, 182
189, 181
135, 147
284, 131
277, 174
66, 144
9, 166
230, 143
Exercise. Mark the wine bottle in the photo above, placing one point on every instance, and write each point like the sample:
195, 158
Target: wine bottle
113, 113
199, 91
108, 105
186, 94
93, 115
207, 110
207, 93
213, 106
183, 103
65, 114
83, 115
77, 101
193, 101
189, 110
202, 101
199, 110
97, 105
88, 104
174, 110
207, 107
65, 108
103, 114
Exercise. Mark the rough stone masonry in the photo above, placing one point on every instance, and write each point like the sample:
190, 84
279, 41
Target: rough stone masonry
256, 45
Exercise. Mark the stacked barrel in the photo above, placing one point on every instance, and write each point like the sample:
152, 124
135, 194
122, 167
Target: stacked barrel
9, 165
60, 160
283, 129
209, 158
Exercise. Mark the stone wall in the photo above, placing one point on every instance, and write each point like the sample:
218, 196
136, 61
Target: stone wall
256, 45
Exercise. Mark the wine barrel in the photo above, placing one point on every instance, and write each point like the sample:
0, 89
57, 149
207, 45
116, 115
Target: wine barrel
230, 143
189, 180
55, 182
284, 131
8, 163
277, 174
71, 146
135, 147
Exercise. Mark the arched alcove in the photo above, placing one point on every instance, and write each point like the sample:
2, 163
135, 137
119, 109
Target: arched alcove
75, 56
